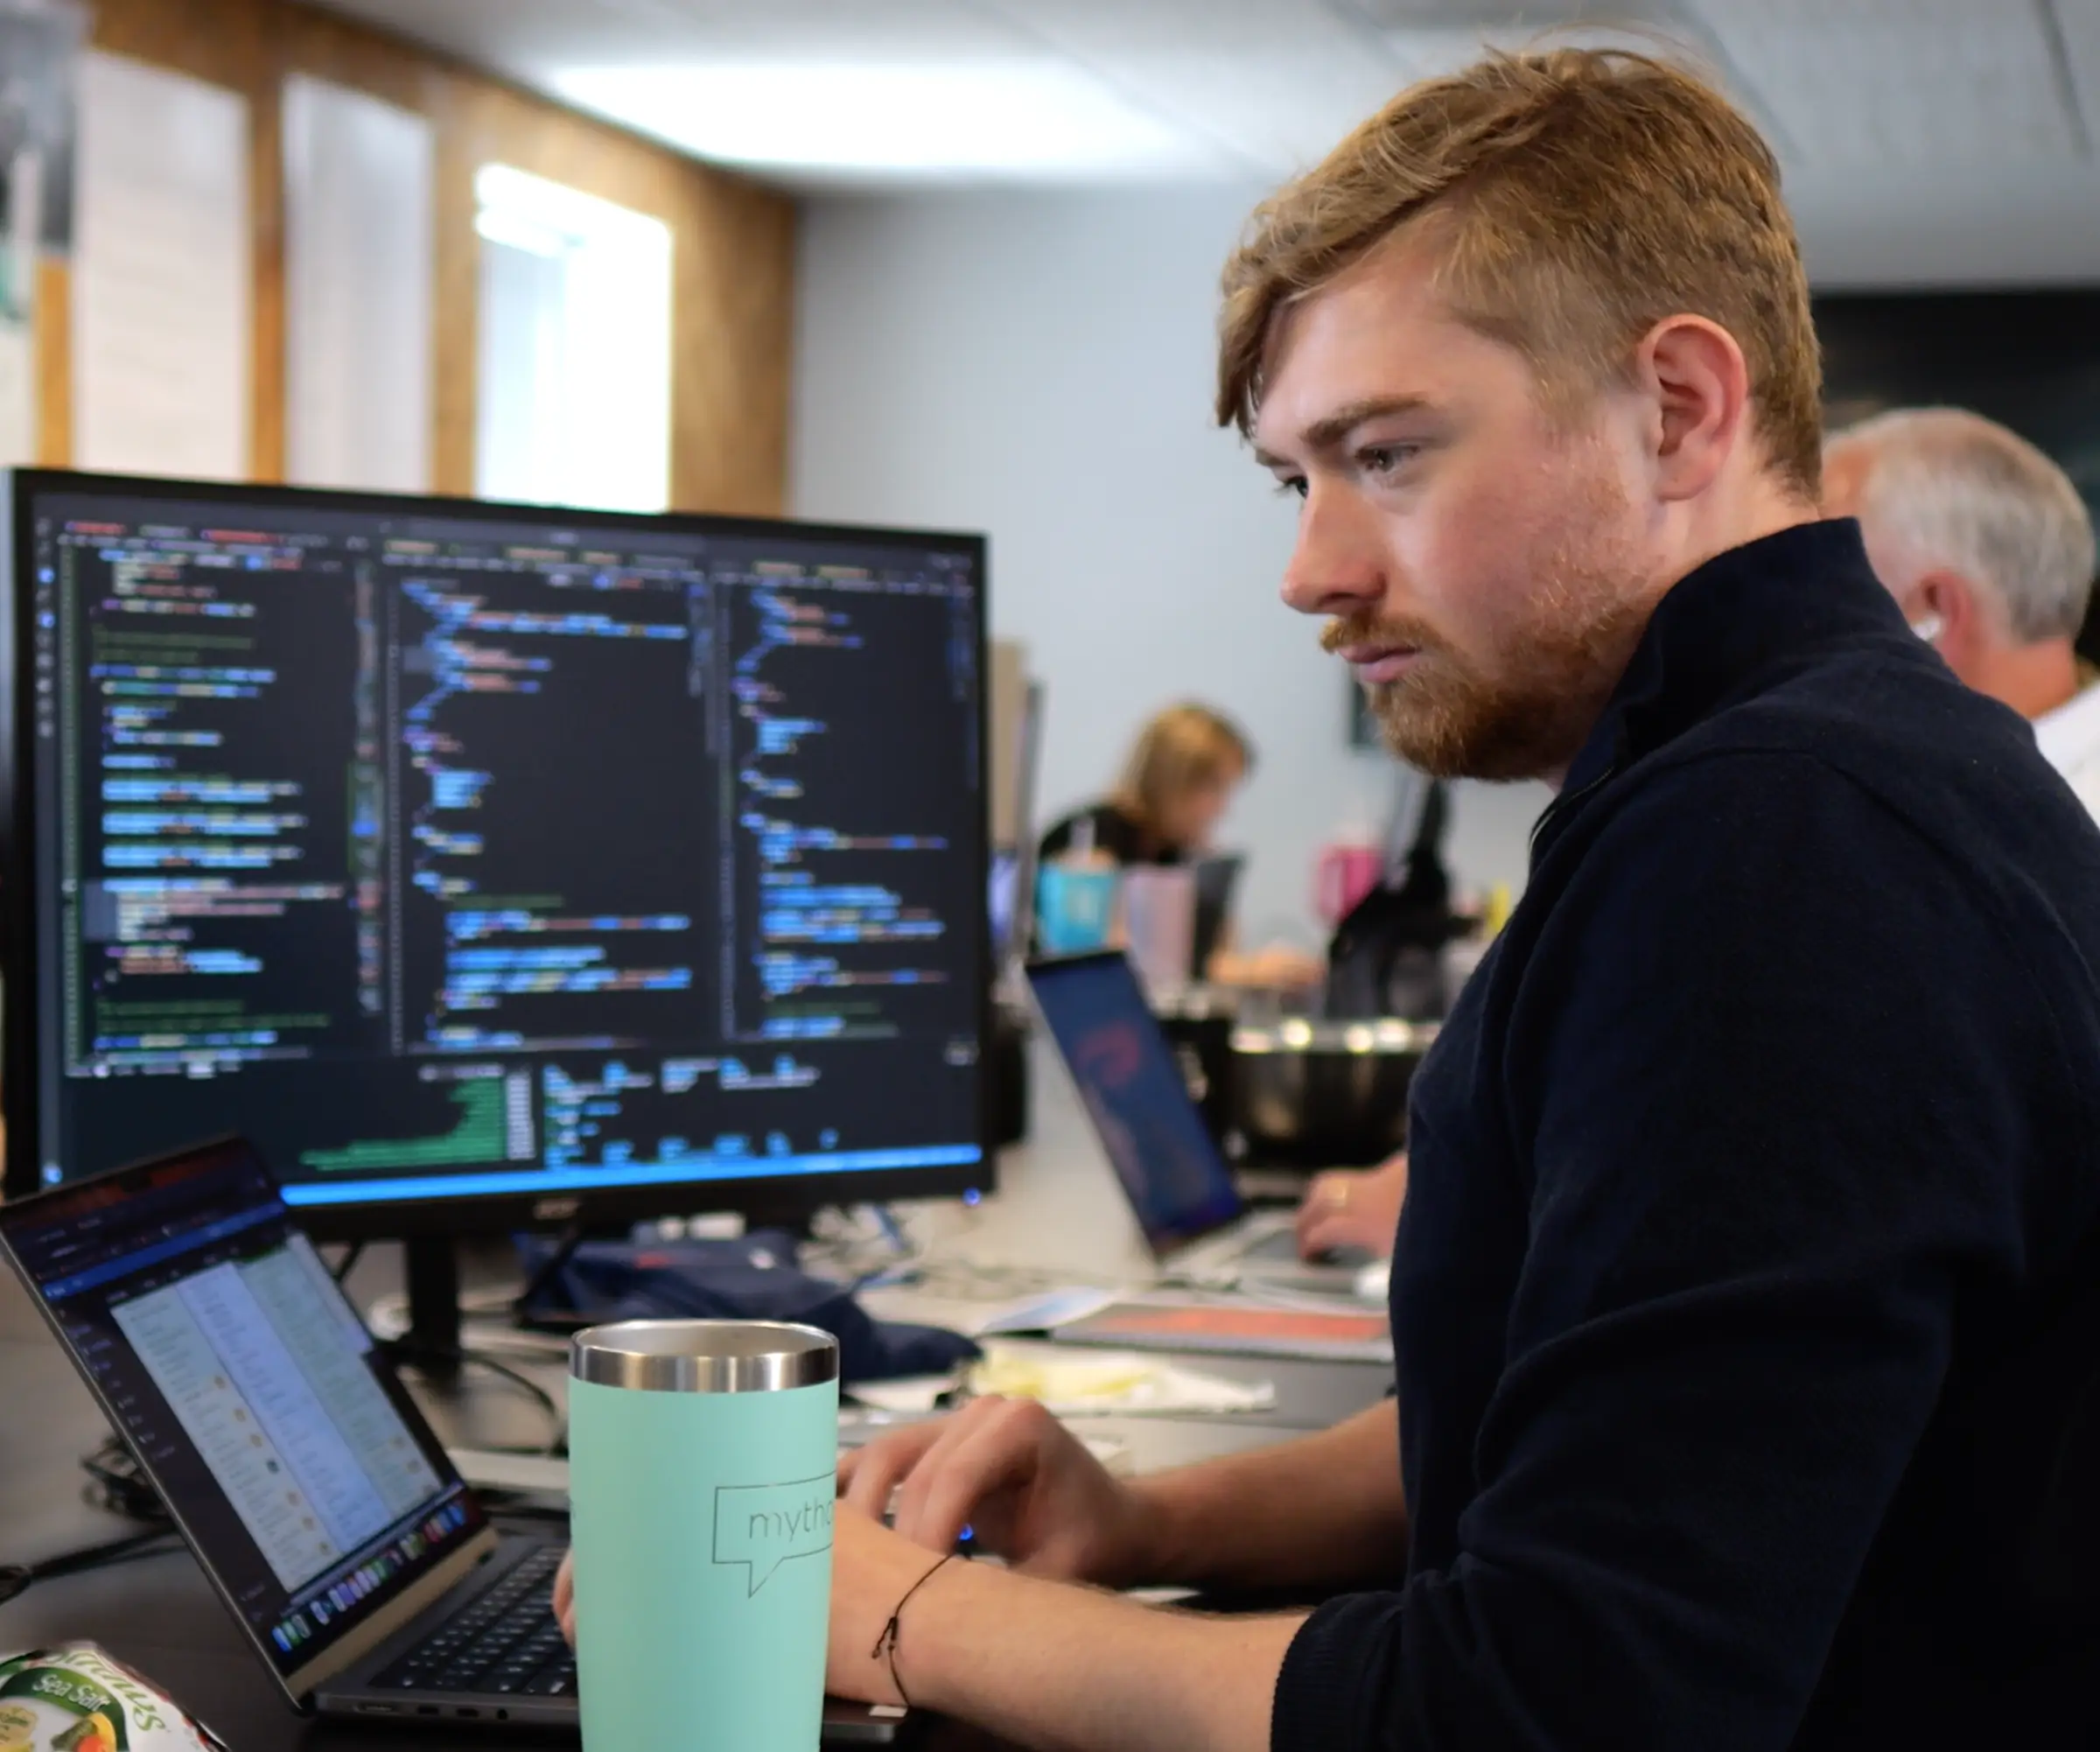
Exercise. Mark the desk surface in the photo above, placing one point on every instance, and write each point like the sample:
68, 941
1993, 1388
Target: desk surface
160, 1616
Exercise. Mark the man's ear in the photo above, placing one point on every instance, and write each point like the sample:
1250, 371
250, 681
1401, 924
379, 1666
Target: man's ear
1949, 603
1692, 375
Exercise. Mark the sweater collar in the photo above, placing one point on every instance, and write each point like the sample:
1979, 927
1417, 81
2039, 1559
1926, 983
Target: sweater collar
1730, 628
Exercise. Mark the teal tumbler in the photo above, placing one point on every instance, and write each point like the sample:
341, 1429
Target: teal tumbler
1074, 908
702, 1456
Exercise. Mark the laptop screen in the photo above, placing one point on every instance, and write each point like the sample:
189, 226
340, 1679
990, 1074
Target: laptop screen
241, 1377
1125, 1069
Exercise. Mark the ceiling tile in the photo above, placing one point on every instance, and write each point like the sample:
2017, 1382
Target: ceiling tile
1528, 17
824, 92
1904, 83
1096, 90
1273, 83
2078, 26
522, 34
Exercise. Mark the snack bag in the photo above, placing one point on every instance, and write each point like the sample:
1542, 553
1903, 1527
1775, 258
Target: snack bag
77, 1699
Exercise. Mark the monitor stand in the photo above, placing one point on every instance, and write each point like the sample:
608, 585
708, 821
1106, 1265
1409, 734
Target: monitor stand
431, 1266
522, 1312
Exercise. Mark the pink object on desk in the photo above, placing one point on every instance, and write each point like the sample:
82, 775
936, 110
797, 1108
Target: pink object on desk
1343, 876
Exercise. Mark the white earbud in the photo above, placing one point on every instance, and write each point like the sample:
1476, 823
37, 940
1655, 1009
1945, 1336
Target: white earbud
1930, 628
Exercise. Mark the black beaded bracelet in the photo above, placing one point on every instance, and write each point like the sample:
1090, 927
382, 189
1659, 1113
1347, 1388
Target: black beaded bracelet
887, 1643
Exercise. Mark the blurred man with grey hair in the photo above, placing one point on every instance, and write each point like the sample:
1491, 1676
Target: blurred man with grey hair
1989, 549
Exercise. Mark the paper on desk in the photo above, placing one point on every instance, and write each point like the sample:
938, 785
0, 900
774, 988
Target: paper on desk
1074, 1385
1111, 1380
1044, 1312
907, 1393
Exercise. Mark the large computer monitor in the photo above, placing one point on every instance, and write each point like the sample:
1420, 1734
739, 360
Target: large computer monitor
491, 866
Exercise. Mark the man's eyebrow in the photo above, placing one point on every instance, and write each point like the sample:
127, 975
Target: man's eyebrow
1332, 433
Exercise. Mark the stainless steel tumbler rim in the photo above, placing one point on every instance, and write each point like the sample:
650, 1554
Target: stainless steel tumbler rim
703, 1355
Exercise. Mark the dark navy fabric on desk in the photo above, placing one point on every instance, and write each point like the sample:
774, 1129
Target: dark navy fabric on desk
1753, 1188
752, 1278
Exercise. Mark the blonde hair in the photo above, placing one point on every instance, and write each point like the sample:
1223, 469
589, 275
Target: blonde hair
1588, 194
1181, 748
1955, 489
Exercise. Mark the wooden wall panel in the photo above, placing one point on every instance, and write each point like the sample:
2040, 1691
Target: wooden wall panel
52, 340
733, 347
732, 253
732, 241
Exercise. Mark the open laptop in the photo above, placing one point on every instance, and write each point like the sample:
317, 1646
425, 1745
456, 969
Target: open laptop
361, 1568
1178, 1183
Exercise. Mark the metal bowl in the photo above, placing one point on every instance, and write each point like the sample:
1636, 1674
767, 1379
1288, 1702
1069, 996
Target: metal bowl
1318, 1094
1198, 1021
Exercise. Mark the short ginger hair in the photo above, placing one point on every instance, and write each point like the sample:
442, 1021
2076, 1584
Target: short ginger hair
1585, 195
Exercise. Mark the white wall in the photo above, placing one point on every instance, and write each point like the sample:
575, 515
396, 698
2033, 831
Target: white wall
1039, 367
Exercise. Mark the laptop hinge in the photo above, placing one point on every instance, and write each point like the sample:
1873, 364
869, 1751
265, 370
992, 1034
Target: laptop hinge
417, 1598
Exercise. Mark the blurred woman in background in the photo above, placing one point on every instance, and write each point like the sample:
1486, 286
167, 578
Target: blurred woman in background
1176, 786
1181, 775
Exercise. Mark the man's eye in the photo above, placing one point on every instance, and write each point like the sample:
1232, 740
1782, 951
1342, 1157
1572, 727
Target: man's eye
1383, 458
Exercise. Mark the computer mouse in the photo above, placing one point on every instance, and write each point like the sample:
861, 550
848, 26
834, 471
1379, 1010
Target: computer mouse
1374, 1280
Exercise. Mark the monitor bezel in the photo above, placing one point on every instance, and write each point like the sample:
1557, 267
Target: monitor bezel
769, 1195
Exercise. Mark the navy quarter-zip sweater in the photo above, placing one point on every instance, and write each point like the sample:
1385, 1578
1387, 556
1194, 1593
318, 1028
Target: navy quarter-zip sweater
1754, 1184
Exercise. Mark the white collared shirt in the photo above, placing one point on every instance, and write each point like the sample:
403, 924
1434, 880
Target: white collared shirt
2070, 741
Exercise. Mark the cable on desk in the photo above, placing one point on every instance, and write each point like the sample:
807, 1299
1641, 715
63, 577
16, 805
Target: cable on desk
115, 1482
555, 1421
347, 1264
406, 1356
16, 1577
387, 1317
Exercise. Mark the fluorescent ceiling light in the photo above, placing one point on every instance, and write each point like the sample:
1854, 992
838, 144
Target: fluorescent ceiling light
959, 119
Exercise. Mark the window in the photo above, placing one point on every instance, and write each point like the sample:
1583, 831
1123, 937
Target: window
575, 367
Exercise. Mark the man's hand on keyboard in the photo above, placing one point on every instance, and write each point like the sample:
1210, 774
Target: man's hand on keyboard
1025, 1485
564, 1597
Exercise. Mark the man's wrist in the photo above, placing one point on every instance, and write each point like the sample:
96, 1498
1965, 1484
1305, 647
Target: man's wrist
933, 1642
1159, 1546
1042, 1662
887, 1644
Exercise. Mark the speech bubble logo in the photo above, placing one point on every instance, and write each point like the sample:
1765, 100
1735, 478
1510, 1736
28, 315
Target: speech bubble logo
763, 1526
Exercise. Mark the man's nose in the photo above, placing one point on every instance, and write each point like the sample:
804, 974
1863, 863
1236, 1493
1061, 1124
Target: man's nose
1337, 566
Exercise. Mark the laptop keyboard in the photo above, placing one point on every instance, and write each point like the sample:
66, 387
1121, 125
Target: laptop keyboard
506, 1643
1280, 1248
